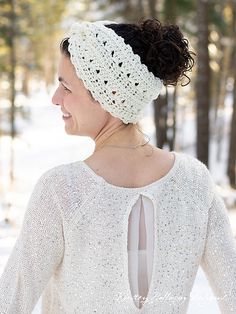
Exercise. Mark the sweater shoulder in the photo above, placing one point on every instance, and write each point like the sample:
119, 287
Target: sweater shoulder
193, 164
70, 185
70, 174
197, 179
54, 176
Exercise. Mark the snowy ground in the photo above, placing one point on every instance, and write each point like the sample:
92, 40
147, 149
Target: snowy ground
44, 144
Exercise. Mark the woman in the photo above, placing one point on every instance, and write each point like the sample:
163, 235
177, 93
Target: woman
125, 230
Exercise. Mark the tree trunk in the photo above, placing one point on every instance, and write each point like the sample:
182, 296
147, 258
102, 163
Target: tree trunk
25, 80
160, 118
203, 83
232, 142
170, 11
159, 104
220, 103
152, 7
173, 119
12, 84
170, 7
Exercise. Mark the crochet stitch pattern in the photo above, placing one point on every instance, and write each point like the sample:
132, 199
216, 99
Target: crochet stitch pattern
111, 71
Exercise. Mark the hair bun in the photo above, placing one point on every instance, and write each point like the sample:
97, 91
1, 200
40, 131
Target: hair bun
162, 48
151, 30
166, 51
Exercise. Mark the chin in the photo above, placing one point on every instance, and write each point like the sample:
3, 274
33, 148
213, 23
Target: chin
69, 131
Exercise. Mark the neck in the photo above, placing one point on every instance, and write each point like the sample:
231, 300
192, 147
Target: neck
121, 135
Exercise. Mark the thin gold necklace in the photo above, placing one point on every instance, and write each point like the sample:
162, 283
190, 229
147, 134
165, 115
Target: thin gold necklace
129, 147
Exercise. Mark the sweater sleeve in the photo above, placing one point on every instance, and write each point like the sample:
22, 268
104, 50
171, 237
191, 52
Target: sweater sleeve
37, 252
219, 257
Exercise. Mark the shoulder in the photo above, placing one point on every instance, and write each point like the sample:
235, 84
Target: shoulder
196, 177
67, 180
61, 179
192, 164
70, 188
56, 174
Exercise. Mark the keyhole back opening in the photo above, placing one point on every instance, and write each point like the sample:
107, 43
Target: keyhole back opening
140, 248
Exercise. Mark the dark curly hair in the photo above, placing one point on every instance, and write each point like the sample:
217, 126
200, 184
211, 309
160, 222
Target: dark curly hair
162, 48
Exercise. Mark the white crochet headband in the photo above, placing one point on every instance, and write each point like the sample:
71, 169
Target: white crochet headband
111, 71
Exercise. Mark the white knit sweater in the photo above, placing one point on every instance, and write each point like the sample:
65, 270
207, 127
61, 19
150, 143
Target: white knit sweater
72, 247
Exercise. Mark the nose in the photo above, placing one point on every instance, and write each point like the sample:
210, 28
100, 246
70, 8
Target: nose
56, 99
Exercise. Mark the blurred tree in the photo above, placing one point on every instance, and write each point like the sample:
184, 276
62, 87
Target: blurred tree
159, 104
203, 82
40, 21
221, 66
28, 32
37, 31
231, 170
12, 76
173, 12
9, 33
220, 50
168, 101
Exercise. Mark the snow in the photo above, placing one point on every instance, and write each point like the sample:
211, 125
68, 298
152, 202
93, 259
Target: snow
44, 144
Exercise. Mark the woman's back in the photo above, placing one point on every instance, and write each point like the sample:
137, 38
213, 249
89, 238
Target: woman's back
136, 171
79, 244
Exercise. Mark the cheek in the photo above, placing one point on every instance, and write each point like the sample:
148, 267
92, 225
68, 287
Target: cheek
71, 102
84, 108
98, 116
78, 105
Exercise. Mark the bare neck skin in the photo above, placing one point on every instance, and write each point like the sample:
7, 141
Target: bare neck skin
120, 135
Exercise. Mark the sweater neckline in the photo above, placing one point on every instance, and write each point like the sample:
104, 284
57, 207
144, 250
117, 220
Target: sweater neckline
160, 181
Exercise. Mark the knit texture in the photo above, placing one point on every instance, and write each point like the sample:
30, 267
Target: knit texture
72, 247
111, 71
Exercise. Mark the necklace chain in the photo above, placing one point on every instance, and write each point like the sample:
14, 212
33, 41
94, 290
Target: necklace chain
129, 147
